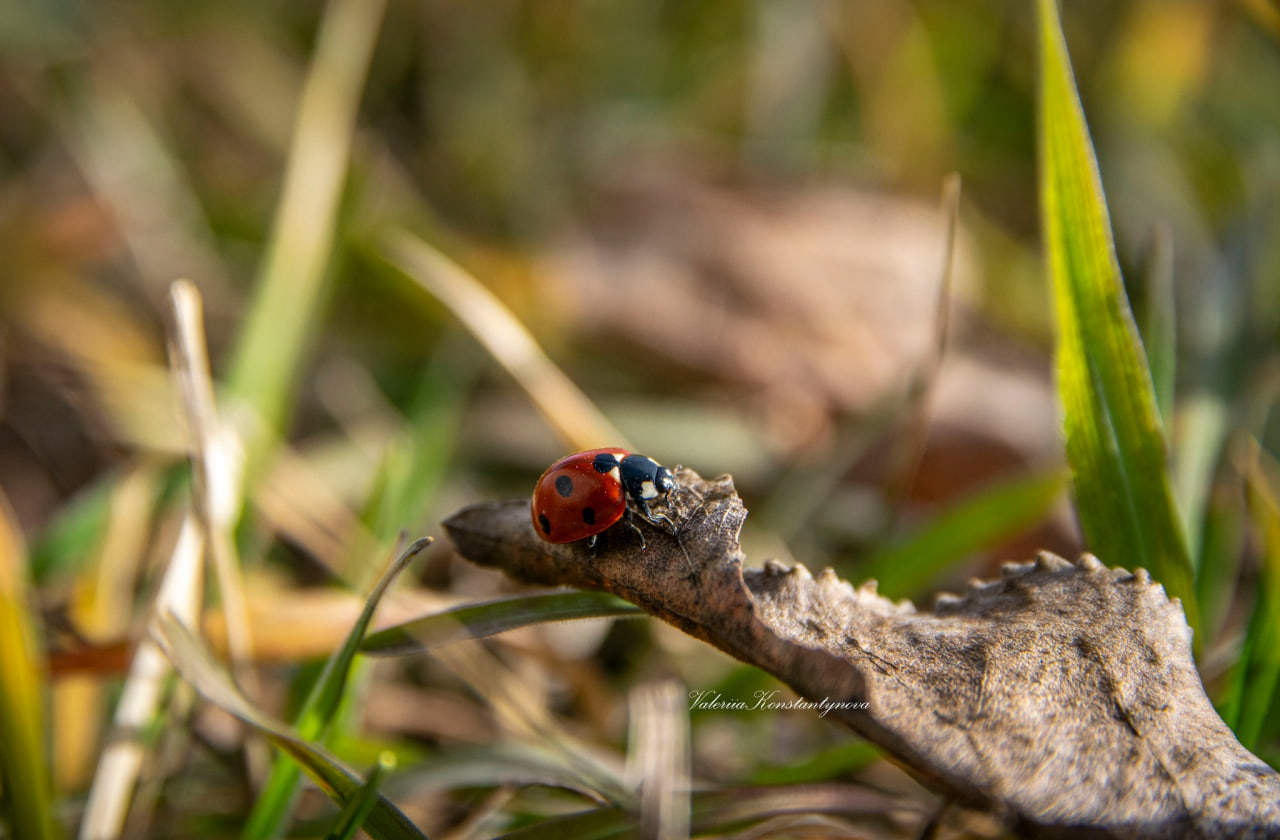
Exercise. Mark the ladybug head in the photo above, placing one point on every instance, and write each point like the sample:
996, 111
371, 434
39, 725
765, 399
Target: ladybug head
664, 481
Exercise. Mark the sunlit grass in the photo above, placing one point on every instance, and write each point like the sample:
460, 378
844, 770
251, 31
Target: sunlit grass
1115, 442
283, 316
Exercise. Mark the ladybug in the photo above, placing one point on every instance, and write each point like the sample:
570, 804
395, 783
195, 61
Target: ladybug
583, 494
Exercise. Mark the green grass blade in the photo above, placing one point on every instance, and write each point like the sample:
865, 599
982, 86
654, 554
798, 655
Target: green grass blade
477, 620
290, 285
511, 763
196, 663
409, 474
319, 707
272, 808
831, 763
1160, 320
76, 528
596, 824
1258, 673
413, 467
24, 769
727, 810
963, 528
1114, 440
358, 807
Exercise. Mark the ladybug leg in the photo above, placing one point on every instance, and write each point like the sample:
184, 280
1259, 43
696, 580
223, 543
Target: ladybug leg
655, 518
685, 552
591, 545
632, 525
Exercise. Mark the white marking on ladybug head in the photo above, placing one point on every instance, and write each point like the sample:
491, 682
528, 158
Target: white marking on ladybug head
648, 491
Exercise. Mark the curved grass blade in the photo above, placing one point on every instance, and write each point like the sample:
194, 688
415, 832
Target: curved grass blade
830, 763
512, 764
1115, 443
974, 523
273, 805
597, 824
478, 620
195, 662
720, 811
24, 770
358, 807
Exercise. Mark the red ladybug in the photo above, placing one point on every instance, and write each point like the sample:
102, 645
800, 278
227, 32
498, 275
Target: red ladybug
583, 494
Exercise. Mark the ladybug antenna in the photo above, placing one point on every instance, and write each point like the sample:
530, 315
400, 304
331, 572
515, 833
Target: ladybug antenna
687, 559
687, 489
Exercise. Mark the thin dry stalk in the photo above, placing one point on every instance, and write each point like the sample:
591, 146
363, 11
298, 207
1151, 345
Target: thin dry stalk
216, 464
658, 761
117, 773
569, 412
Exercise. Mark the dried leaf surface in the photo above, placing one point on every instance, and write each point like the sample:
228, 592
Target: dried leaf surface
1063, 695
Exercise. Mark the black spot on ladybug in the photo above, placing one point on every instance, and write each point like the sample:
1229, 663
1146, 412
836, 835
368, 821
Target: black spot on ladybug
564, 486
589, 516
604, 462
544, 524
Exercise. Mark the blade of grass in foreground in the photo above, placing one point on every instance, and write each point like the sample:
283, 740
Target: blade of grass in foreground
477, 620
274, 804
195, 662
1115, 443
24, 772
358, 807
508, 762
835, 762
728, 810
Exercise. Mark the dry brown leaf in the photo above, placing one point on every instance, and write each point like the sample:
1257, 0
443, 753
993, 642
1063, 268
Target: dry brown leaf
1062, 696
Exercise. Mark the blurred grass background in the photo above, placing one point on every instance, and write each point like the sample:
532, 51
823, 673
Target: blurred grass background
721, 221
